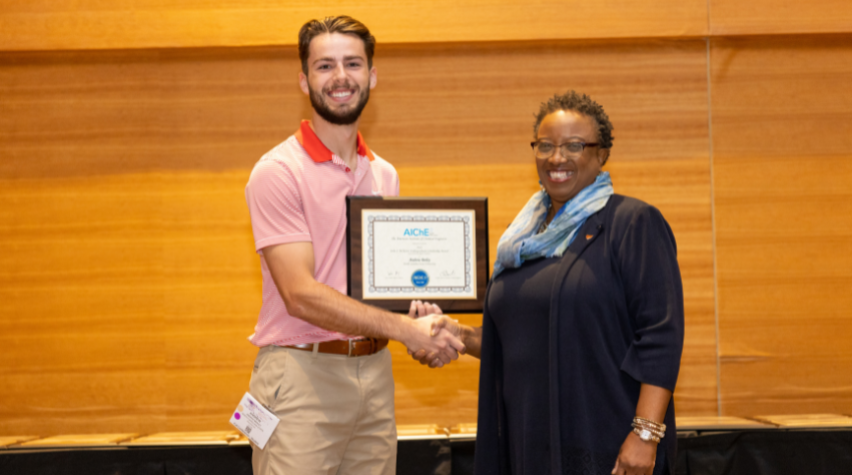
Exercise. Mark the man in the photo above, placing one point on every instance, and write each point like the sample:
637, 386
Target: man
331, 387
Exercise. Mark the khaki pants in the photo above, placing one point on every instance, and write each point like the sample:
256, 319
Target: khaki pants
336, 413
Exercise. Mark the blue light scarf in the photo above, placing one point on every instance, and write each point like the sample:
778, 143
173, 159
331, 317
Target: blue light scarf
521, 243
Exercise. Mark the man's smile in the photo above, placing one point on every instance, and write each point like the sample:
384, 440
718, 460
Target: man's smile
339, 94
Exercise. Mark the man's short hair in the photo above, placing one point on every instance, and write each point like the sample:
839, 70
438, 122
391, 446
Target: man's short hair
337, 24
581, 104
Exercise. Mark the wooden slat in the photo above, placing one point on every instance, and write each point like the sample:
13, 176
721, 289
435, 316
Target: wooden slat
98, 24
12, 440
713, 423
119, 24
801, 421
77, 440
463, 428
762, 17
186, 438
420, 430
782, 122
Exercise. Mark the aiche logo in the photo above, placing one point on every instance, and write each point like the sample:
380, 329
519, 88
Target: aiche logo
424, 232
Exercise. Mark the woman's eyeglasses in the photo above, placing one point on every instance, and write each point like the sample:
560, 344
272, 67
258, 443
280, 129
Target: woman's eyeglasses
545, 150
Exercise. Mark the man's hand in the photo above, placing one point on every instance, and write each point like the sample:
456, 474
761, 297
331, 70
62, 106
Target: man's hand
439, 325
444, 346
636, 457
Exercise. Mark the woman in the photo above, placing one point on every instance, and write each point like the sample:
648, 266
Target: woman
583, 324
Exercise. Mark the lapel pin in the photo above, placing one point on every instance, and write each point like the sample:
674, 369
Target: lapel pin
589, 236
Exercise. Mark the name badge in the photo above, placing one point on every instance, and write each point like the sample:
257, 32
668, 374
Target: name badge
254, 421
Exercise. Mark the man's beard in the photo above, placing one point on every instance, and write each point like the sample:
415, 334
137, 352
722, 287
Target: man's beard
347, 117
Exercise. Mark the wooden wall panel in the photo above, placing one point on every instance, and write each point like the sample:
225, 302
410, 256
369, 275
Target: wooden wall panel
470, 104
772, 17
681, 190
782, 138
211, 296
80, 319
108, 112
122, 202
125, 302
118, 24
122, 199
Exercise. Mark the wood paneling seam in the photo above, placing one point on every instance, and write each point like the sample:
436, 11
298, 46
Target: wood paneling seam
713, 226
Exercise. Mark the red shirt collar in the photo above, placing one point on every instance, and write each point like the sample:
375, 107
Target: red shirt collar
318, 151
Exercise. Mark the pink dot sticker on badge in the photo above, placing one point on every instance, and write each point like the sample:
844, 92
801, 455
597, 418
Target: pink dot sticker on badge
237, 416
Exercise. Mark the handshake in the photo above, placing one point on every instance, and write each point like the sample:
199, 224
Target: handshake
437, 339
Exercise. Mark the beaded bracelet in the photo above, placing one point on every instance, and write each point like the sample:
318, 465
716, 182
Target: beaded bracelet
640, 420
652, 430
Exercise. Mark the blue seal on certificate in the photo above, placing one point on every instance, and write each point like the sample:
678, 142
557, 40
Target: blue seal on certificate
420, 278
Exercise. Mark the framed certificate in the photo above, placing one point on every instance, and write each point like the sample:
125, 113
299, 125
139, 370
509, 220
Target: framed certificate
431, 249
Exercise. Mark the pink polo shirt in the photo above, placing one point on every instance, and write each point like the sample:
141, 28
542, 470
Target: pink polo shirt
297, 193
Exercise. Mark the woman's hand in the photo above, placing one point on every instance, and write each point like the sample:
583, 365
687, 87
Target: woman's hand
418, 309
636, 457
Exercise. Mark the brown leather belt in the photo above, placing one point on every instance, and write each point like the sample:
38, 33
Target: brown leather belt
362, 347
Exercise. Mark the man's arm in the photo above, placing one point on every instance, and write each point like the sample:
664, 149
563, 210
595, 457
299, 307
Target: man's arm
292, 269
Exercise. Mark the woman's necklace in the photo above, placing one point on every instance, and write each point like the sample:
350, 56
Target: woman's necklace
543, 226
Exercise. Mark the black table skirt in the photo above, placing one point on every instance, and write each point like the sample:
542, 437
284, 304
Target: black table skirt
747, 452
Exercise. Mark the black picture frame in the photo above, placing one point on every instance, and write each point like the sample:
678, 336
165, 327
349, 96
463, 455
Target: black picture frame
354, 258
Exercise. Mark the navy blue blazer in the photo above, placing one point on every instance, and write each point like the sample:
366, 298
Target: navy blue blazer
616, 321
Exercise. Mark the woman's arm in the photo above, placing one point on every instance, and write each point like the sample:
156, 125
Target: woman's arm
472, 338
637, 456
647, 255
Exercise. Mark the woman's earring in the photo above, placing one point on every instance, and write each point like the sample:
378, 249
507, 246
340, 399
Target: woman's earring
541, 186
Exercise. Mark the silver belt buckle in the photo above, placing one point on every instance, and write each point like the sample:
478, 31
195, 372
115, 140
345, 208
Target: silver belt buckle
352, 342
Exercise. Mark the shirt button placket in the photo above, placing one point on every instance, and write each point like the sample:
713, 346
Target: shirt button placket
356, 177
